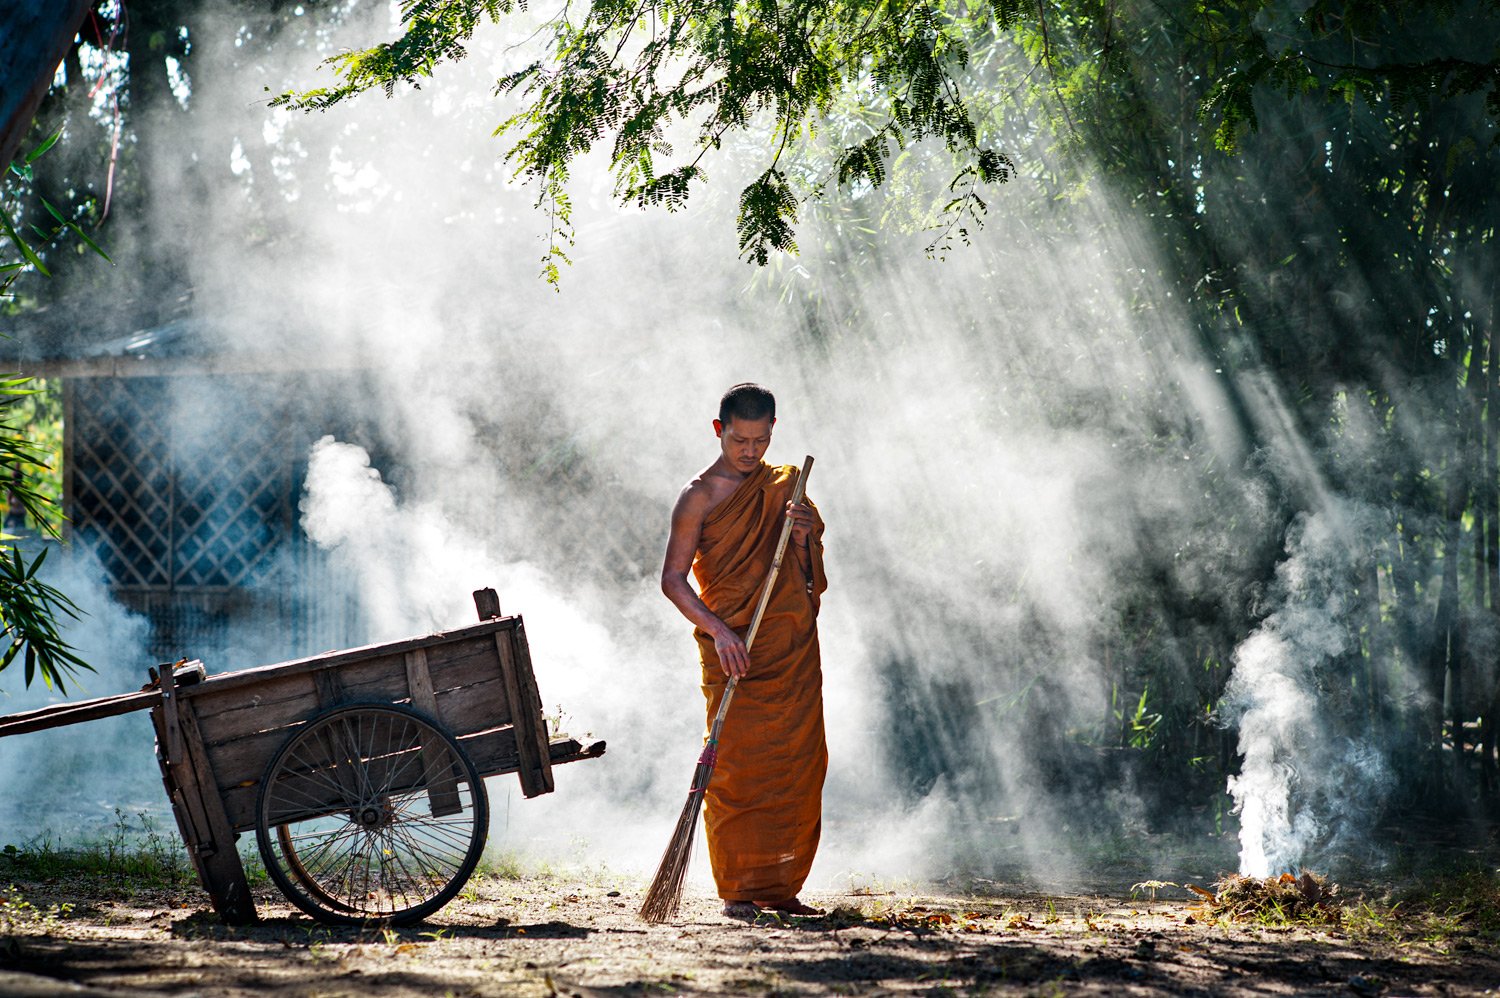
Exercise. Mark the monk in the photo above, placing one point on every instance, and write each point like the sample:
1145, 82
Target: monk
764, 805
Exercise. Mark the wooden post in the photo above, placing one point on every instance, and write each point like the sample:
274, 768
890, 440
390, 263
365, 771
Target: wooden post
531, 698
200, 810
437, 766
528, 726
533, 751
329, 687
487, 602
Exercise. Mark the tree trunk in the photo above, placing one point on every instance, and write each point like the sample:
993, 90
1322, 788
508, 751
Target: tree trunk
34, 35
1378, 654
1489, 731
1441, 657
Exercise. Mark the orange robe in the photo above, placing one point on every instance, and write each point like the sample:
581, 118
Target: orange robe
763, 810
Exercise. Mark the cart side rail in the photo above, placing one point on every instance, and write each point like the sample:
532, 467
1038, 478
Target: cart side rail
225, 682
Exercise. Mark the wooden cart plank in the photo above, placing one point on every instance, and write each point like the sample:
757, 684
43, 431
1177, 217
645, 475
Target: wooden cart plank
191, 834
240, 678
442, 794
473, 708
531, 703
274, 704
228, 714
493, 753
329, 686
535, 767
226, 883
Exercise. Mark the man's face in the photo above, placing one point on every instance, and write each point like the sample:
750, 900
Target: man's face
744, 441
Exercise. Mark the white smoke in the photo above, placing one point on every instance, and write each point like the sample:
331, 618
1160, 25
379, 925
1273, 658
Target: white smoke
81, 781
1003, 441
416, 568
1303, 787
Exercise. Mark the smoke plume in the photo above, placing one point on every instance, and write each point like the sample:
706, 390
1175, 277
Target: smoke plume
1305, 790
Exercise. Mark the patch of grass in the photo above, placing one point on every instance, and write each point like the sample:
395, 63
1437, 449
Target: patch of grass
1438, 909
1471, 898
135, 853
869, 885
501, 866
254, 866
578, 868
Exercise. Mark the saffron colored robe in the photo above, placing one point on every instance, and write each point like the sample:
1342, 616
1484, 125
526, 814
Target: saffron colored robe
763, 810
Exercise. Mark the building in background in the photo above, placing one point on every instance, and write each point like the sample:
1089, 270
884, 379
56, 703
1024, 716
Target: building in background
182, 465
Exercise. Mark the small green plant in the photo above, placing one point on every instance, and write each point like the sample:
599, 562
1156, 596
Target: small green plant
255, 867
1149, 886
1143, 723
19, 915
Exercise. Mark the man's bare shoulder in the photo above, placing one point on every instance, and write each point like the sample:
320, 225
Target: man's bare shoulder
708, 488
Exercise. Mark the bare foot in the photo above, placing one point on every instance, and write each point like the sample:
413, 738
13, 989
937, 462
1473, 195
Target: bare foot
744, 910
791, 906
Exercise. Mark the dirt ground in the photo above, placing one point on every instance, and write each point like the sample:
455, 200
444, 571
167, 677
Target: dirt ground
560, 935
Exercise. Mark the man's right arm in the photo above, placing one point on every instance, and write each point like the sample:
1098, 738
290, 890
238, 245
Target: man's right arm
682, 545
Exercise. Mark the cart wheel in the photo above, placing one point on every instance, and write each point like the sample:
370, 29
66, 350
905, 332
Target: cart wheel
371, 813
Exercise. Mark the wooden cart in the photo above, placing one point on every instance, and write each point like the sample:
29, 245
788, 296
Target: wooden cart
361, 771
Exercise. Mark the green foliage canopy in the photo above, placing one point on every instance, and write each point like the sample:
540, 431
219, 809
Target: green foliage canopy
626, 71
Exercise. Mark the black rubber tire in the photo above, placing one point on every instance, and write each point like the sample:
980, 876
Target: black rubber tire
346, 818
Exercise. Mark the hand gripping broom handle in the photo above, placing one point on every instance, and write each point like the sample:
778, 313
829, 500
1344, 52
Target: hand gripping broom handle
798, 492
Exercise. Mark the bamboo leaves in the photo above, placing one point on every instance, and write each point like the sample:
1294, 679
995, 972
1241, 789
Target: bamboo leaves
30, 608
29, 611
629, 71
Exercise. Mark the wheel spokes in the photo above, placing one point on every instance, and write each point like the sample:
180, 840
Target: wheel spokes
352, 799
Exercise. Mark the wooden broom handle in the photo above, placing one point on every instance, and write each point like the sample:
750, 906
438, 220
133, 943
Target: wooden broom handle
798, 492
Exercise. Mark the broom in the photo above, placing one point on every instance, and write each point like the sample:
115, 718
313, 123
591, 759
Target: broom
664, 897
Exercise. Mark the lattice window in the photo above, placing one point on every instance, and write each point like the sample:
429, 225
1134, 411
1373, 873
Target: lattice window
178, 482
122, 490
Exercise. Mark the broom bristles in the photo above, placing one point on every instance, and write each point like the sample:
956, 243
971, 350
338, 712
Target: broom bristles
664, 896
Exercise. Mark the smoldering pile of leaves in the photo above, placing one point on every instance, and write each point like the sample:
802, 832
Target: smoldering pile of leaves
1309, 899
